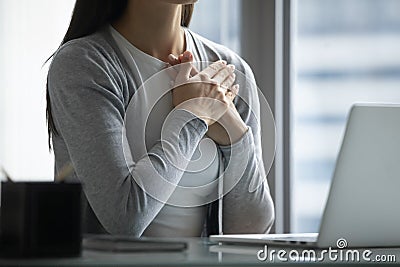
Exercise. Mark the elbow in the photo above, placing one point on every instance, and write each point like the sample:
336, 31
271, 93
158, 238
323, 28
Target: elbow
268, 212
269, 216
270, 220
266, 219
256, 220
124, 227
121, 222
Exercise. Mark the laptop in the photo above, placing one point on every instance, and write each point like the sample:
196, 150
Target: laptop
362, 209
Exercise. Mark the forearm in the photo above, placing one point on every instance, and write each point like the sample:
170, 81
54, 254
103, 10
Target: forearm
127, 200
88, 97
248, 207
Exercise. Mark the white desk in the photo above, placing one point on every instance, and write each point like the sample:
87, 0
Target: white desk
197, 254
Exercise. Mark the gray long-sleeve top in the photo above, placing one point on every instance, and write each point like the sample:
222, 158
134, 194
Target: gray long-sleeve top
90, 86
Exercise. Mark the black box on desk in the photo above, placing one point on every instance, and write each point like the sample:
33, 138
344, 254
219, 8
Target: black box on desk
40, 219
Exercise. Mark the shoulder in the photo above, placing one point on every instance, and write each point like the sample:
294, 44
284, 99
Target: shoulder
90, 58
217, 51
92, 51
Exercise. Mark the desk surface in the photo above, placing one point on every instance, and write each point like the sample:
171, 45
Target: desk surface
200, 252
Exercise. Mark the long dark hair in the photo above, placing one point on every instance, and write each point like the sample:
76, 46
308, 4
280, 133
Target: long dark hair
89, 16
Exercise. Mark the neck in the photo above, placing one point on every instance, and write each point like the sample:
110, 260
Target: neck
153, 27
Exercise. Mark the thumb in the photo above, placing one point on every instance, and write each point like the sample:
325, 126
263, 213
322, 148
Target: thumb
187, 56
173, 60
185, 68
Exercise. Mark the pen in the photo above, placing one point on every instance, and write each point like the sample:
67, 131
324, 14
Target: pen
8, 177
65, 171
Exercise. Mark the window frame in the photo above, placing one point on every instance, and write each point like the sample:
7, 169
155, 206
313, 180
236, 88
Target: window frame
268, 49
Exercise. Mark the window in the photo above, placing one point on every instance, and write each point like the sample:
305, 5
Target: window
30, 31
218, 21
345, 51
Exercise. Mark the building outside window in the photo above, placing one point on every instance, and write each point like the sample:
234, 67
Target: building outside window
345, 51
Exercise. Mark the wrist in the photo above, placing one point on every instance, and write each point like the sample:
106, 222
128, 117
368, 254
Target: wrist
234, 124
197, 112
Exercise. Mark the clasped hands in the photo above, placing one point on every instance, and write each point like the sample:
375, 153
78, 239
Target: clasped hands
209, 95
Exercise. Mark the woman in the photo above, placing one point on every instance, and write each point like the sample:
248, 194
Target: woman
111, 48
